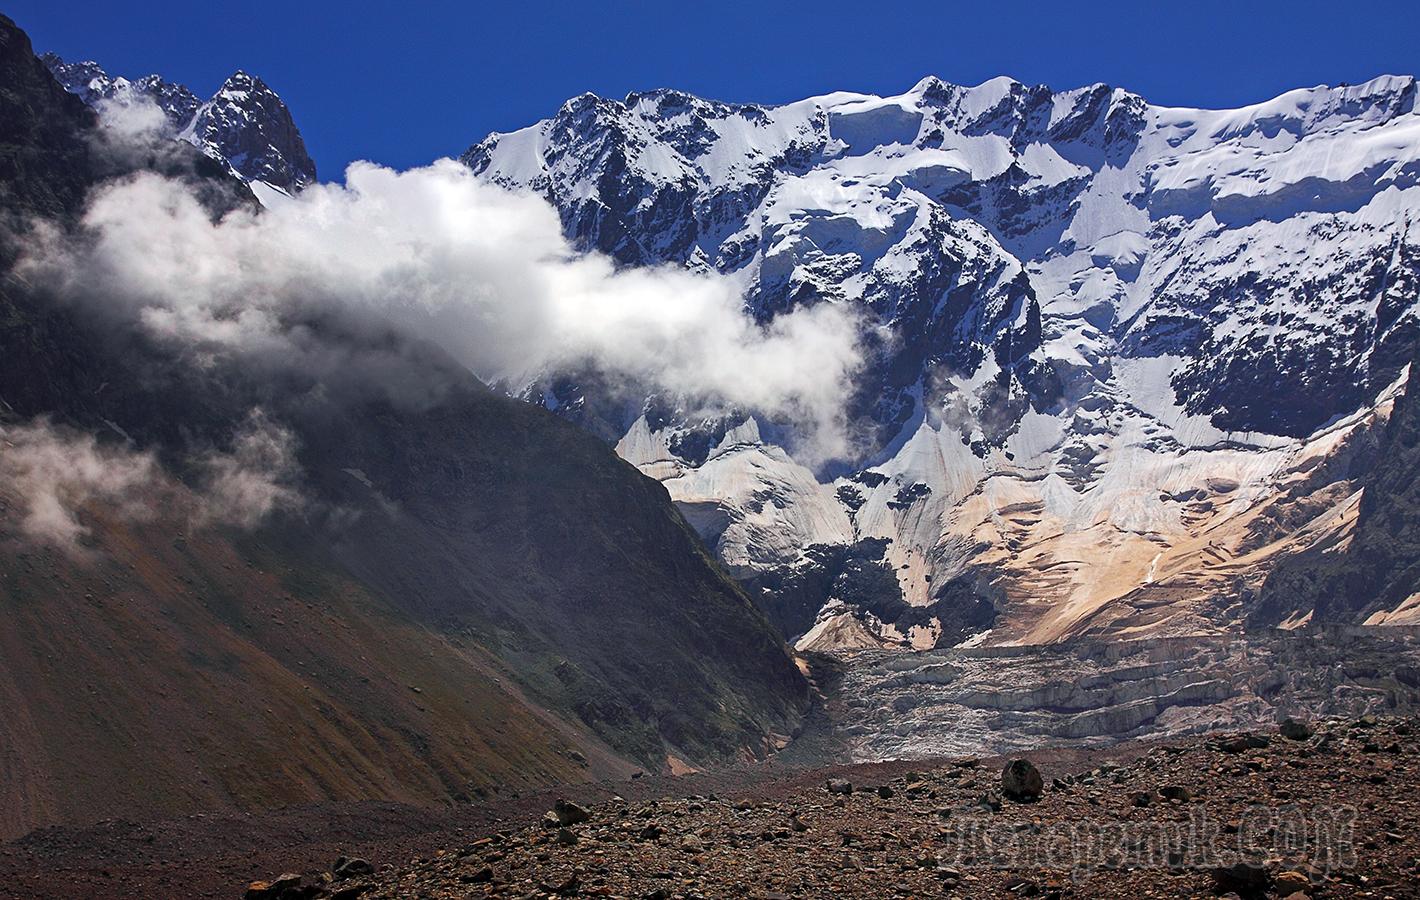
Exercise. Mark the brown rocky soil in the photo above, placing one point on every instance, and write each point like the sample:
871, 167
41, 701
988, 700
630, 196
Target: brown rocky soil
1329, 815
1332, 815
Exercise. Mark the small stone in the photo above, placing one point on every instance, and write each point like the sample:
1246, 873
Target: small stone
1176, 792
567, 887
885, 792
566, 837
1291, 881
1242, 743
796, 823
352, 868
651, 832
840, 786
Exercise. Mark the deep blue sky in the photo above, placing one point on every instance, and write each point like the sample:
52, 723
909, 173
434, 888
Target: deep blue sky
405, 83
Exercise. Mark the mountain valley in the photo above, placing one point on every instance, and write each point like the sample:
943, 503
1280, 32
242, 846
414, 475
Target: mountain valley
671, 463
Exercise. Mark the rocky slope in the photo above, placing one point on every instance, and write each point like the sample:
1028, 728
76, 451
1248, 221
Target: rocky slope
230, 586
245, 125
1372, 573
1325, 811
1122, 357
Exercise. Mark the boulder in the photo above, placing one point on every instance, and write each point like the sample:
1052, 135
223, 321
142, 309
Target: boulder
1021, 781
1247, 878
569, 813
1296, 729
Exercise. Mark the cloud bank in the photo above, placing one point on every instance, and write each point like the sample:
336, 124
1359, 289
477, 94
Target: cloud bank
440, 257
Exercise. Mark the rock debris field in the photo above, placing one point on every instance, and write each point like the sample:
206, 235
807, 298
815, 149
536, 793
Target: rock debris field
1314, 809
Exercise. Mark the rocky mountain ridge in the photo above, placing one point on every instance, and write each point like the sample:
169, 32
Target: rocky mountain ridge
1122, 357
244, 125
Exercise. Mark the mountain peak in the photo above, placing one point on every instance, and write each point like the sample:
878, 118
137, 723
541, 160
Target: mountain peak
245, 124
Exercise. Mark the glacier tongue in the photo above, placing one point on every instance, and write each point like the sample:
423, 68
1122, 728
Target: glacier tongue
1122, 356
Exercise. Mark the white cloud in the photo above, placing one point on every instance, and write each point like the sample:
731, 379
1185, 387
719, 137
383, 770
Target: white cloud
56, 472
253, 479
129, 116
481, 272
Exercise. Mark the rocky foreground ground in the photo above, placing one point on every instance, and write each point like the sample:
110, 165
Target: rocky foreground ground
1323, 809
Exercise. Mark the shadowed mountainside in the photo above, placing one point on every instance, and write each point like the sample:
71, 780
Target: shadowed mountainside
470, 593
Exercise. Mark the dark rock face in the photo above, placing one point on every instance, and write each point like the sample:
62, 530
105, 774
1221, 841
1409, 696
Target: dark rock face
253, 130
859, 575
89, 82
245, 124
1380, 568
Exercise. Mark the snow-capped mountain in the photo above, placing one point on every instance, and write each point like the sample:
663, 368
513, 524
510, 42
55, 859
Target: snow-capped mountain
245, 125
1124, 356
